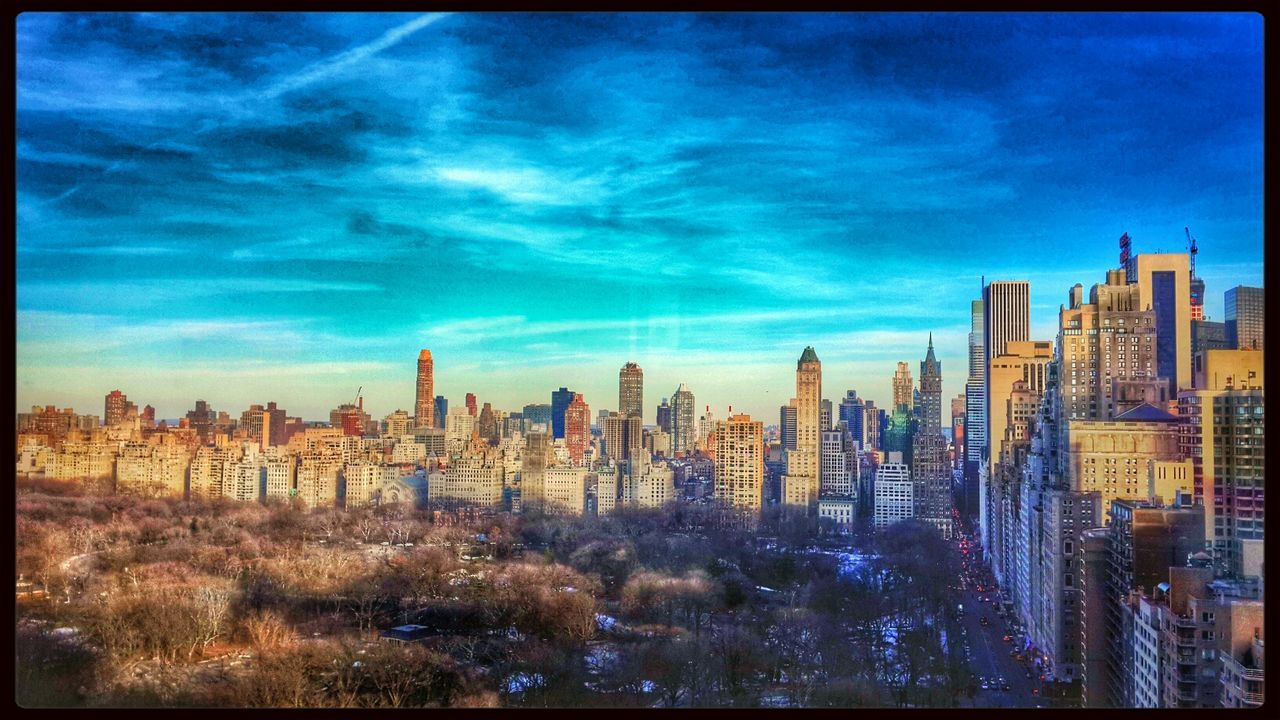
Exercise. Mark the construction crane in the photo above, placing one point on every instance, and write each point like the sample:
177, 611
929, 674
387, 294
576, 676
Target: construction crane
356, 403
1191, 250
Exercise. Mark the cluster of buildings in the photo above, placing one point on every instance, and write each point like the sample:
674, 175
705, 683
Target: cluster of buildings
1114, 472
821, 461
1115, 475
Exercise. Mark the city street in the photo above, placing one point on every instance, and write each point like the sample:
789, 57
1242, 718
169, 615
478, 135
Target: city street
989, 652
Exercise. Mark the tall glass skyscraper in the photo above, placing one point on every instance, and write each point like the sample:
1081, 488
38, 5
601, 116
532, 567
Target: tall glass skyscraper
1243, 309
560, 400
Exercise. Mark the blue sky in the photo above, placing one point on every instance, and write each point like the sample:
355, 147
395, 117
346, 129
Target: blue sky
244, 208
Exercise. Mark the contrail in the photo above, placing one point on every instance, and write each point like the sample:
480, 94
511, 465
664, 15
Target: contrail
340, 61
305, 77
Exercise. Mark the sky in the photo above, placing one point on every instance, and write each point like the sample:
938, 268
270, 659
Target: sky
243, 208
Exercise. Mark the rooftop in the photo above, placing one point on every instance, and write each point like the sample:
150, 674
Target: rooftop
1146, 413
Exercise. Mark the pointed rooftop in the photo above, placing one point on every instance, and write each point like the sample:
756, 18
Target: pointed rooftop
808, 356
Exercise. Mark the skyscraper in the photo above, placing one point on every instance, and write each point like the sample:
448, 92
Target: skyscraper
664, 417
1222, 431
472, 409
871, 425
201, 420
560, 400
800, 485
930, 393
577, 428
1016, 380
1243, 308
1107, 347
787, 426
739, 462
1006, 317
824, 416
488, 424
1164, 286
423, 409
537, 414
903, 397
683, 420
631, 390
116, 408
929, 468
622, 435
852, 413
975, 399
442, 410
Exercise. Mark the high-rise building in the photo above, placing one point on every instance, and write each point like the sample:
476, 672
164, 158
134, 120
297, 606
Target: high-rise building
538, 414
839, 464
1164, 286
975, 398
1054, 592
1006, 316
1092, 570
800, 485
472, 408
117, 408
441, 410
1222, 431
1015, 382
352, 419
1207, 335
853, 414
399, 424
560, 400
1108, 348
265, 426
201, 420
871, 425
957, 429
424, 411
631, 390
787, 425
487, 424
929, 467
683, 429
903, 395
1143, 543
739, 462
1244, 308
664, 417
893, 494
824, 416
622, 436
577, 428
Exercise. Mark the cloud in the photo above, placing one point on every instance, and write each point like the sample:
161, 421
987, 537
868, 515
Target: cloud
339, 63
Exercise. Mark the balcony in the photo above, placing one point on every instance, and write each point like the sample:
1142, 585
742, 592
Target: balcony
1246, 673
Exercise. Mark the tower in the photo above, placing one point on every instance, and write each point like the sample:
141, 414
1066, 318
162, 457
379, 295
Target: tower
739, 462
929, 468
902, 388
577, 428
423, 411
683, 432
631, 390
560, 400
930, 393
800, 485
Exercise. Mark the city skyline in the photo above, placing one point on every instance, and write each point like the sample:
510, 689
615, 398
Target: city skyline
539, 199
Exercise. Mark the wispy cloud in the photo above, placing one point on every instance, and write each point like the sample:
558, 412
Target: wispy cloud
339, 63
